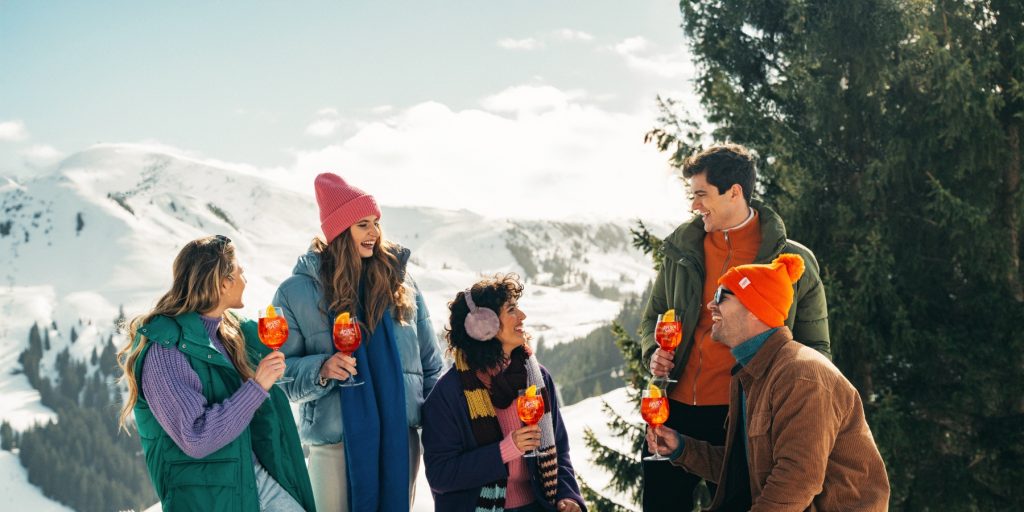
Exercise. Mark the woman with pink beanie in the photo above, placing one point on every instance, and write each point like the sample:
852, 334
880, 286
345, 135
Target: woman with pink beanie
371, 429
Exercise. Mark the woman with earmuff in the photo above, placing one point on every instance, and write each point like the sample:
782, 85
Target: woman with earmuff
473, 440
364, 444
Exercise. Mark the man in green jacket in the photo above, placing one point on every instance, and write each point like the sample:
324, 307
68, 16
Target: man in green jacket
729, 229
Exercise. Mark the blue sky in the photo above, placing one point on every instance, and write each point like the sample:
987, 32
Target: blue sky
543, 97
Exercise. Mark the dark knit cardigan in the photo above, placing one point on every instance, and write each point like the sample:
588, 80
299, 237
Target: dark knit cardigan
457, 468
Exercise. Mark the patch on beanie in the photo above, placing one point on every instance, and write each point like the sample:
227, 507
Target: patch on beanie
744, 283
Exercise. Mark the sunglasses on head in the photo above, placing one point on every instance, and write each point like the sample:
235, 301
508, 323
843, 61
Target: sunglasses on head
720, 294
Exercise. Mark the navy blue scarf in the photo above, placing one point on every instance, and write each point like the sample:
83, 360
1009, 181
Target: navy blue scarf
376, 427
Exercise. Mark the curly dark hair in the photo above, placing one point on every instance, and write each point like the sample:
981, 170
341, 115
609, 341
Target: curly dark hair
724, 165
492, 293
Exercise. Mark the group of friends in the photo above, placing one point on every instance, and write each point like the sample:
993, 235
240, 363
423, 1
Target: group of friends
759, 414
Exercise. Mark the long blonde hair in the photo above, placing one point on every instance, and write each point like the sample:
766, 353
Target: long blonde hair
341, 268
199, 269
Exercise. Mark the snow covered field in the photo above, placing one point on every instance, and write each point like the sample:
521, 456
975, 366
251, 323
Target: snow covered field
101, 231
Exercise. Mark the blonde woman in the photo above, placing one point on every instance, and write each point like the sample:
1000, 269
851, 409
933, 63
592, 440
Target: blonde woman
216, 432
373, 426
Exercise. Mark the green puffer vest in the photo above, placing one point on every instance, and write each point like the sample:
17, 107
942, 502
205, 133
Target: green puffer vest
224, 480
680, 285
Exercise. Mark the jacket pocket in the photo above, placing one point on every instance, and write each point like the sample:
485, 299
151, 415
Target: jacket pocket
759, 451
308, 412
203, 485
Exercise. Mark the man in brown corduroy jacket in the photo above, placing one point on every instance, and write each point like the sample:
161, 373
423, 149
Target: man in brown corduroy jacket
796, 437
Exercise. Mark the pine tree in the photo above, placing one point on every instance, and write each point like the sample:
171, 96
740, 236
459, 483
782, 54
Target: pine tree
644, 240
889, 137
74, 335
119, 322
108, 358
32, 355
624, 467
6, 436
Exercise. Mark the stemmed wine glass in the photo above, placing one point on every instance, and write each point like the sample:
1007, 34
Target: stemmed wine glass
654, 409
668, 333
272, 328
530, 407
347, 337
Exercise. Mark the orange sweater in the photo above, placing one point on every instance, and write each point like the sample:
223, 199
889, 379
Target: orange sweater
705, 380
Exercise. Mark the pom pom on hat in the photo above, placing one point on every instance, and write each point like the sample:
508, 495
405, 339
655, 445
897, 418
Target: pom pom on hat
766, 290
794, 265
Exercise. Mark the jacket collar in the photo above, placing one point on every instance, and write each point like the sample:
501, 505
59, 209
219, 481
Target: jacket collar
687, 241
762, 361
186, 333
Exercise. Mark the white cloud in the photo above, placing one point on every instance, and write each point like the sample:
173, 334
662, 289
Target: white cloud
520, 44
382, 109
640, 54
632, 45
323, 127
568, 34
530, 99
326, 123
571, 160
40, 155
13, 131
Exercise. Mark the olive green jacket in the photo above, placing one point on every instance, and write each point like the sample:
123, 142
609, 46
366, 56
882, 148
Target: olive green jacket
680, 286
224, 480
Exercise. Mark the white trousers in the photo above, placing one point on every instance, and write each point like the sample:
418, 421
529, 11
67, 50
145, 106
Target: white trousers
328, 473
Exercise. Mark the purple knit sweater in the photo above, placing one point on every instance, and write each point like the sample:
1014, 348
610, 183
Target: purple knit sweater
175, 396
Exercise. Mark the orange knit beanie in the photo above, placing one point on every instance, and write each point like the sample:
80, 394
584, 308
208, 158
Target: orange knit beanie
766, 290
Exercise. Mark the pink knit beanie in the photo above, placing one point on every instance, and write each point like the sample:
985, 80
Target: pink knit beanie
341, 204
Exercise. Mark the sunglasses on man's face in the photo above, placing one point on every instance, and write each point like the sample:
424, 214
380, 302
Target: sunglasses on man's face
720, 294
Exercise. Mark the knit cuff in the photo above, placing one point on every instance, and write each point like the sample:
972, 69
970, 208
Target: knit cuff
259, 394
678, 452
509, 450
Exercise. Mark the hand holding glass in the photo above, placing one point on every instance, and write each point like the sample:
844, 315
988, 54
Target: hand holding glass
272, 328
347, 337
668, 335
530, 410
654, 410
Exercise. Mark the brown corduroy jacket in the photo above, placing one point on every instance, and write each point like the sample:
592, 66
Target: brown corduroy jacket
808, 443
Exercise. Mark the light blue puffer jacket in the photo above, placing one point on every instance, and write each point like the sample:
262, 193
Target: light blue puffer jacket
309, 345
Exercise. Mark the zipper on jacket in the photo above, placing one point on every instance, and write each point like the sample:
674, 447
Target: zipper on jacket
700, 363
728, 252
700, 346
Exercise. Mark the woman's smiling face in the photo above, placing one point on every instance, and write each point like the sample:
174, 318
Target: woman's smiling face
366, 235
512, 333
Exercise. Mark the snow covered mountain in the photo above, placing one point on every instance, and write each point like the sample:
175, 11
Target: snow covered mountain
102, 230
98, 235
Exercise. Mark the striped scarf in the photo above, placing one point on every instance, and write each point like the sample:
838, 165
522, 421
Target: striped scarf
486, 430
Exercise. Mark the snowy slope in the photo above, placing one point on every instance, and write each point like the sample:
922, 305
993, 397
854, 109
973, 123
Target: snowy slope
101, 232
16, 493
103, 229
